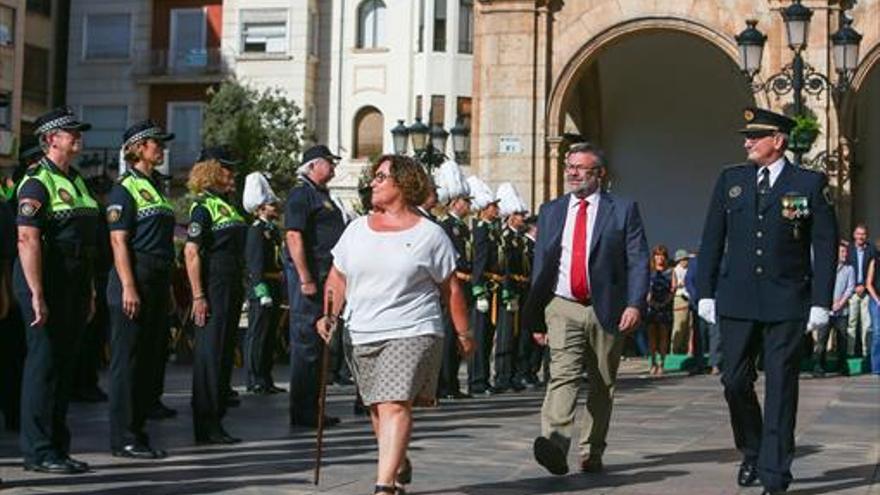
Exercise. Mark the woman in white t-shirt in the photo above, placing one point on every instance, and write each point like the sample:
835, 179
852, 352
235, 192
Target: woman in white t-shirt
393, 270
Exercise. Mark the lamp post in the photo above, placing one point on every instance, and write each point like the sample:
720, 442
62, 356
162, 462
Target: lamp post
429, 143
800, 77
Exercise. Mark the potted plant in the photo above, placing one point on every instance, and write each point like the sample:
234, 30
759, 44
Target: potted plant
804, 134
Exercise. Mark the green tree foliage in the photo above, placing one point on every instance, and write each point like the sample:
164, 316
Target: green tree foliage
265, 129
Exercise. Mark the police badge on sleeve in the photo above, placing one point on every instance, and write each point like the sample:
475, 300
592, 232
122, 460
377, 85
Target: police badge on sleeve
114, 213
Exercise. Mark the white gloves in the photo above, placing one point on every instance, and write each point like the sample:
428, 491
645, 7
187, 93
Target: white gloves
818, 318
706, 310
265, 301
483, 305
513, 306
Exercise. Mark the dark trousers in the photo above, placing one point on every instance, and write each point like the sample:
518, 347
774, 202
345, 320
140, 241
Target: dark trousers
215, 344
506, 333
259, 342
528, 355
306, 349
838, 324
135, 350
91, 352
162, 343
448, 383
781, 344
478, 364
52, 349
12, 352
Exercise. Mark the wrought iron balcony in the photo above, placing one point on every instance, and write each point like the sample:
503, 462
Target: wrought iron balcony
195, 65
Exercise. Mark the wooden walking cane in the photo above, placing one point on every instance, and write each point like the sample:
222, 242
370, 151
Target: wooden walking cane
322, 391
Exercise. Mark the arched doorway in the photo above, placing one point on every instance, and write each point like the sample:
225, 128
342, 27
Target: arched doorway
665, 104
369, 127
866, 152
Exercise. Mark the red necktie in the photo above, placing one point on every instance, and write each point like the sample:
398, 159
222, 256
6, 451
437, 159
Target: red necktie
580, 289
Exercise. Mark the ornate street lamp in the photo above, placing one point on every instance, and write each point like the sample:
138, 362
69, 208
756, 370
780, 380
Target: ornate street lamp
418, 132
461, 141
799, 77
399, 136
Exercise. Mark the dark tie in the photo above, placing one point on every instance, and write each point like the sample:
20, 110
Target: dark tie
763, 187
580, 289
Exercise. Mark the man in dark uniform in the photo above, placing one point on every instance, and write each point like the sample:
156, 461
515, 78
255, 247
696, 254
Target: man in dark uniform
313, 224
12, 327
455, 190
529, 355
485, 283
767, 256
512, 209
263, 261
56, 235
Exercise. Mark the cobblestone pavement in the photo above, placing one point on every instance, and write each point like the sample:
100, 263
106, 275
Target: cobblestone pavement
668, 435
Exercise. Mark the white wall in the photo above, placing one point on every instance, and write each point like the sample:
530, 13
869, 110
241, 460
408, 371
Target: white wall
389, 78
669, 126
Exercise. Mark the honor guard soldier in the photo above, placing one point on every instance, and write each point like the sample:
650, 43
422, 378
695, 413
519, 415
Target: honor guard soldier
512, 210
530, 356
767, 265
141, 223
214, 254
53, 284
485, 282
313, 223
262, 256
454, 191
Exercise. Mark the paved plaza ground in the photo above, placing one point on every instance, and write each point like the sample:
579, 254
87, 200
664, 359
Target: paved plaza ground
669, 436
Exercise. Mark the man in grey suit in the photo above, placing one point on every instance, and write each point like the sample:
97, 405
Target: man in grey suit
588, 289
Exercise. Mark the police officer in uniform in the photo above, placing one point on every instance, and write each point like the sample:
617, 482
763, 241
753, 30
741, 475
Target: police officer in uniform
141, 223
262, 256
485, 283
313, 223
454, 190
512, 210
767, 266
530, 356
53, 285
214, 253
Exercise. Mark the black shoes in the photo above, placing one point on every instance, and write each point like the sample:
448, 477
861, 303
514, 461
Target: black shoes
57, 465
161, 411
313, 422
265, 390
217, 438
748, 474
138, 451
549, 455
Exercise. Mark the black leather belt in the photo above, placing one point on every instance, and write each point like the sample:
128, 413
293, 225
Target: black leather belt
587, 303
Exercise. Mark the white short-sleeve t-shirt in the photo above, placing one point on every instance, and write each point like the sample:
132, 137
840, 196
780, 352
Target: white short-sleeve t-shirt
393, 279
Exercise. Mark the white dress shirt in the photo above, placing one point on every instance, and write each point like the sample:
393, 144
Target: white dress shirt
563, 284
775, 169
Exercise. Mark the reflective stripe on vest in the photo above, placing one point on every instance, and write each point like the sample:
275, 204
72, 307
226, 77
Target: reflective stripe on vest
67, 199
223, 215
147, 199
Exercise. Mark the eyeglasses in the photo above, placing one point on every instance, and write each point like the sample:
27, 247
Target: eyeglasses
380, 177
587, 170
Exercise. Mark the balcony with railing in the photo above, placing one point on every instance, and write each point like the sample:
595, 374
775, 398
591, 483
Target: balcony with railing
194, 65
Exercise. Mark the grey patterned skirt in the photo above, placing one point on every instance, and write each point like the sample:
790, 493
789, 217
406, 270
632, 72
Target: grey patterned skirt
403, 369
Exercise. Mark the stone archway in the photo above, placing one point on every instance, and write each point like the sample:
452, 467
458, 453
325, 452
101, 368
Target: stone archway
664, 98
864, 113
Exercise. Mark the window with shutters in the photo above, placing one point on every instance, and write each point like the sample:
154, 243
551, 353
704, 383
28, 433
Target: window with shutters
369, 126
264, 31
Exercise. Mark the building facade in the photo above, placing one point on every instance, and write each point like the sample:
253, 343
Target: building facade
396, 60
657, 84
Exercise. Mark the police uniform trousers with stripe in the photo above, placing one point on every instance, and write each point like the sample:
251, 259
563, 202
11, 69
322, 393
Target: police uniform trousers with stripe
52, 350
306, 347
506, 334
448, 382
215, 342
136, 348
479, 363
260, 340
769, 441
